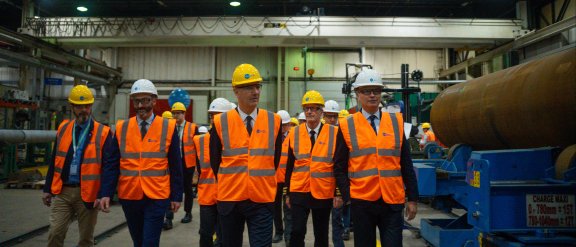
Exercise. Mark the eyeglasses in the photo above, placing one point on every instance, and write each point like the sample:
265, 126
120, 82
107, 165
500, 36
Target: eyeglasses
144, 101
311, 108
375, 91
251, 87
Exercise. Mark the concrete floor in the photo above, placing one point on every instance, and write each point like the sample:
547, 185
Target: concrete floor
22, 211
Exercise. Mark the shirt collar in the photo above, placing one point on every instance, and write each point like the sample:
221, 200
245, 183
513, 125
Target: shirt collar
367, 115
316, 130
243, 115
149, 120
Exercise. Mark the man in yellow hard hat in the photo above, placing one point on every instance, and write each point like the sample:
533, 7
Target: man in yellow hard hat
149, 175
186, 132
428, 136
294, 122
245, 146
167, 114
73, 180
373, 167
309, 173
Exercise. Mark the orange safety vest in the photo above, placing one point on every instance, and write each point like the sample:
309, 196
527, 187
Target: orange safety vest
431, 137
188, 143
247, 170
90, 169
207, 187
281, 171
144, 162
374, 161
313, 171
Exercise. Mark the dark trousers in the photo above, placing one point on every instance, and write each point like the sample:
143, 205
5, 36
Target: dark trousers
188, 195
208, 225
366, 216
287, 220
337, 227
320, 221
346, 216
144, 218
278, 210
258, 217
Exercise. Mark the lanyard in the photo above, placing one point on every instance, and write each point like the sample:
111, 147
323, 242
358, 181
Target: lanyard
82, 136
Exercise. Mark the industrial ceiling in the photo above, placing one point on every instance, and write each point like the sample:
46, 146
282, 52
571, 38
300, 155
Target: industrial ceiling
494, 9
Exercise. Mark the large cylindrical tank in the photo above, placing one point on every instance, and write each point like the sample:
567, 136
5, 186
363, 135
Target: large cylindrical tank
525, 106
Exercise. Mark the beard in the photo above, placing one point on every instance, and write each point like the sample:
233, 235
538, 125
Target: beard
144, 111
82, 117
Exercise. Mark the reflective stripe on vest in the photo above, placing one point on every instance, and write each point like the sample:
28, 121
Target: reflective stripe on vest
296, 150
146, 173
357, 152
206, 181
201, 157
135, 155
330, 155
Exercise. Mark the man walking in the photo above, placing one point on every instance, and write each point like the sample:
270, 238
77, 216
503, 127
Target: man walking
245, 146
83, 146
373, 161
149, 175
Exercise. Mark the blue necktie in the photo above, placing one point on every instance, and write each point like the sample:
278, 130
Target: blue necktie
143, 129
372, 123
249, 124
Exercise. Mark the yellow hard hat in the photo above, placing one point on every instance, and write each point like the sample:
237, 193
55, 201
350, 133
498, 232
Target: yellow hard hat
178, 106
167, 115
343, 113
312, 97
81, 95
322, 121
426, 126
294, 121
245, 74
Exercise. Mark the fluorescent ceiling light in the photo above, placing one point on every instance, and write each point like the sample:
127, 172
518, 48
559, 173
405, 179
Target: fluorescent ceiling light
235, 3
82, 9
36, 17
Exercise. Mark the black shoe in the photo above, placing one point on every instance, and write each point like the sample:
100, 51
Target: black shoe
187, 218
346, 235
277, 238
167, 225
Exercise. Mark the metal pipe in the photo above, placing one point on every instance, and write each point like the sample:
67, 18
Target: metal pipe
525, 106
14, 136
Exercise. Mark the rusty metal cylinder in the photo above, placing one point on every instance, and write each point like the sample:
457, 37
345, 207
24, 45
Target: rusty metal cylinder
525, 106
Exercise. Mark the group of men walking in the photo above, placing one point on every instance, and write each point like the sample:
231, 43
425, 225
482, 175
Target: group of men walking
254, 165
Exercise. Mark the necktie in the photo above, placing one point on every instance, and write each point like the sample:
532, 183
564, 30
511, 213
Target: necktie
312, 138
372, 118
249, 124
143, 129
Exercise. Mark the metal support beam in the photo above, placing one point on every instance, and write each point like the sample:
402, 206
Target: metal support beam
26, 136
521, 42
51, 50
42, 63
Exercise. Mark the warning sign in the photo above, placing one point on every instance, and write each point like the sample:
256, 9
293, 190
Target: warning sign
550, 210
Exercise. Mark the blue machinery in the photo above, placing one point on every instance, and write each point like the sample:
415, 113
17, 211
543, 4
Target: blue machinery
512, 197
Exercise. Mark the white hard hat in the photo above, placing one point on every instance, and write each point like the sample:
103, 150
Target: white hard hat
368, 77
232, 105
301, 116
143, 86
331, 106
284, 115
219, 105
203, 130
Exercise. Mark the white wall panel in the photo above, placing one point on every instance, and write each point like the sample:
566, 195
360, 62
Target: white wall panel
264, 59
325, 64
389, 61
9, 74
165, 63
